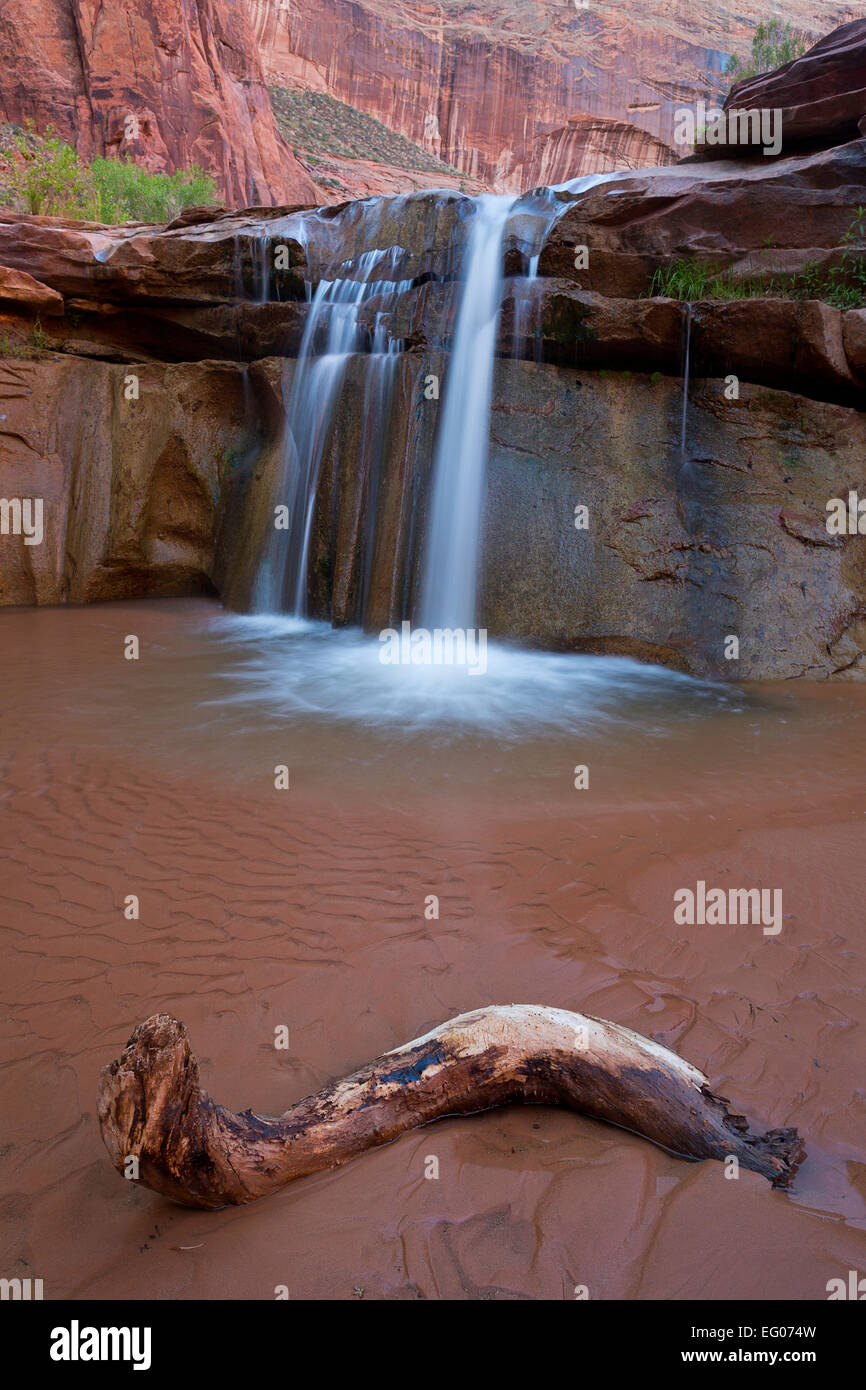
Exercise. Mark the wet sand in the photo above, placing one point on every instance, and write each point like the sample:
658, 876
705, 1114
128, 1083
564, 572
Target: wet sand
306, 908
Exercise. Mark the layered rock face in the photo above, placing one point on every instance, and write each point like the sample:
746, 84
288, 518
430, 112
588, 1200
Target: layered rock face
675, 557
494, 89
760, 218
129, 484
511, 95
187, 71
589, 145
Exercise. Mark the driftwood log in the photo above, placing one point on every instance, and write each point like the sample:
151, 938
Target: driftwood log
151, 1105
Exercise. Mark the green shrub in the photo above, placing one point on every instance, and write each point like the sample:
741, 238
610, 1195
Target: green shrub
25, 349
49, 178
36, 337
128, 193
773, 45
694, 280
843, 285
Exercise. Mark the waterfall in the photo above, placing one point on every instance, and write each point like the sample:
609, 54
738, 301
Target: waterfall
310, 406
259, 246
452, 551
354, 254
539, 211
453, 543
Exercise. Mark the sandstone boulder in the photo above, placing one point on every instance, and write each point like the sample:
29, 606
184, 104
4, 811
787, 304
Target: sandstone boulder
753, 219
27, 294
821, 96
212, 262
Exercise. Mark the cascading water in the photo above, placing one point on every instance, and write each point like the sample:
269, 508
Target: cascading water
467, 254
453, 543
537, 215
334, 314
544, 209
393, 285
452, 553
260, 268
353, 255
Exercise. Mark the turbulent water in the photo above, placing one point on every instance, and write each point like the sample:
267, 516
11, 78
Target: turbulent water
305, 670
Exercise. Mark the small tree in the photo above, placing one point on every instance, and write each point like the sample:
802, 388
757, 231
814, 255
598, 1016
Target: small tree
50, 179
773, 45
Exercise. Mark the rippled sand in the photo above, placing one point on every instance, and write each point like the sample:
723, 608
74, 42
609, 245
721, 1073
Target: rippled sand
306, 908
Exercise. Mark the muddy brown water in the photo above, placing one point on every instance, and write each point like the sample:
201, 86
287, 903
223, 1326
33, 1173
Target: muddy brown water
306, 908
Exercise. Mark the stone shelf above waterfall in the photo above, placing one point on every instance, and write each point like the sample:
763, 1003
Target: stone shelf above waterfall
207, 286
771, 217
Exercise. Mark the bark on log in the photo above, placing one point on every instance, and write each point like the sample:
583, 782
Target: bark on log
150, 1103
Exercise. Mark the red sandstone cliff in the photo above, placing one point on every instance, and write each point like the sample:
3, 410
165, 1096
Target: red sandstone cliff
188, 70
517, 90
510, 93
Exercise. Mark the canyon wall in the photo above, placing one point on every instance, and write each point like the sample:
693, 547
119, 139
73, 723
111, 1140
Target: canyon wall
669, 564
171, 494
510, 95
514, 93
130, 489
188, 71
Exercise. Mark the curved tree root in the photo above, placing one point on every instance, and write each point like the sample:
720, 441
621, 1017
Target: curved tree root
150, 1103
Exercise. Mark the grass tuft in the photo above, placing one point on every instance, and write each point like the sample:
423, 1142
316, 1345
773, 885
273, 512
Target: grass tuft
843, 286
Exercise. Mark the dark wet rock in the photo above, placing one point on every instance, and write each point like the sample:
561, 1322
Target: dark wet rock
681, 550
130, 487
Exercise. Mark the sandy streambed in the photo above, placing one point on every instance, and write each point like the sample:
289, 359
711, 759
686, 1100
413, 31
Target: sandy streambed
306, 908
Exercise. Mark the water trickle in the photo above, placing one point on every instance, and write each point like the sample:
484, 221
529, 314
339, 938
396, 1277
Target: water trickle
526, 308
535, 215
257, 247
687, 343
